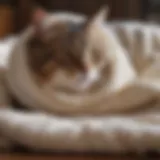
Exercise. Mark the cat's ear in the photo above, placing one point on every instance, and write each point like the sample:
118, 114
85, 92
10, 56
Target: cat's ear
37, 18
100, 16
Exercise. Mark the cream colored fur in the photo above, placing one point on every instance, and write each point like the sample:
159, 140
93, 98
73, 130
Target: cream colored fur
127, 108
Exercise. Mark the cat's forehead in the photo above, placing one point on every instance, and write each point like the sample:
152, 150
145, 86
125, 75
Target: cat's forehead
73, 31
66, 35
68, 22
65, 28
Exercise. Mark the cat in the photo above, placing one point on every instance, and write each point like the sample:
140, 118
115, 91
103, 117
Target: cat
81, 55
74, 52
69, 49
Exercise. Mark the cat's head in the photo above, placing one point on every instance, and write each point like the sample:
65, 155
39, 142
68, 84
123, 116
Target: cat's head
74, 52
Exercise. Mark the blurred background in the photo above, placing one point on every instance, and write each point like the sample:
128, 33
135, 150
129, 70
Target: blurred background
15, 14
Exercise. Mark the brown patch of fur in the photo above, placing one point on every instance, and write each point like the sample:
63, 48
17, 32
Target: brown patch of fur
60, 47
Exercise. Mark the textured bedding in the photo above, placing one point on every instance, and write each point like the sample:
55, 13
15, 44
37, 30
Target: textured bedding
135, 129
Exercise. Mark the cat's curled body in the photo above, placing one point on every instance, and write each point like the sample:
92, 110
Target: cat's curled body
89, 49
84, 53
81, 53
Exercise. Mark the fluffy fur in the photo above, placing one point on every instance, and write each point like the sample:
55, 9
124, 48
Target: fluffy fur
131, 90
55, 95
69, 48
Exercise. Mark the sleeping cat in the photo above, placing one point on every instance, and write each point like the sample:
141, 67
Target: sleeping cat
79, 51
73, 50
84, 56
